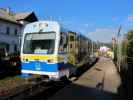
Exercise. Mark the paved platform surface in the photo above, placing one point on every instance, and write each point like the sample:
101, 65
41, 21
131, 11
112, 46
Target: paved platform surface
101, 82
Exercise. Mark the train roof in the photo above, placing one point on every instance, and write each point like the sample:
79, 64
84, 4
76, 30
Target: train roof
37, 26
30, 28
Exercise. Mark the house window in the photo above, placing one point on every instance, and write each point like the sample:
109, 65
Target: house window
15, 31
7, 30
7, 47
15, 48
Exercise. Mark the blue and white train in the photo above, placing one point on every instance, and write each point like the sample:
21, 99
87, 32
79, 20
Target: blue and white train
48, 49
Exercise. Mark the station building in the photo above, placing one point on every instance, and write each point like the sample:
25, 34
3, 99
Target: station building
11, 28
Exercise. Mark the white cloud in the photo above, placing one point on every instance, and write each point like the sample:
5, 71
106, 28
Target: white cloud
103, 34
130, 18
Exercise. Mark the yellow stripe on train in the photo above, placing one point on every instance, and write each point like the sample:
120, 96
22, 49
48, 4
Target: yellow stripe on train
55, 58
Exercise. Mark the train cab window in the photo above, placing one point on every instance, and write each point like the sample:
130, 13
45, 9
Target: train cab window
39, 44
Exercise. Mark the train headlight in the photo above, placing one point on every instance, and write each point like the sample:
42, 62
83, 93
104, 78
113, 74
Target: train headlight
42, 25
46, 25
50, 60
25, 60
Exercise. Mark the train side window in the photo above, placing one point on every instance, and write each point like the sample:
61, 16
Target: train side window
71, 46
71, 38
63, 43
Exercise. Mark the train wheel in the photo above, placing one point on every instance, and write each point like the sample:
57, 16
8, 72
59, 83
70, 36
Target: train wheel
66, 76
65, 79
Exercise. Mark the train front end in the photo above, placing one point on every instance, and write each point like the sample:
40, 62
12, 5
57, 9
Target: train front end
39, 49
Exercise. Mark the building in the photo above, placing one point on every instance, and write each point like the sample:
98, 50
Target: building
11, 27
25, 17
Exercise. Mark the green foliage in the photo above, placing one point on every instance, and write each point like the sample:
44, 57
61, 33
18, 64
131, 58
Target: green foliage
130, 43
124, 47
130, 35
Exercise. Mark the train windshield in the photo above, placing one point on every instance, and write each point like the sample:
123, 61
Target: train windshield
37, 43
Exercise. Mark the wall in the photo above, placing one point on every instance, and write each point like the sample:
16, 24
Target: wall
10, 38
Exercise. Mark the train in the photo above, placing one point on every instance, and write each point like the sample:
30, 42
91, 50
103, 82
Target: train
49, 49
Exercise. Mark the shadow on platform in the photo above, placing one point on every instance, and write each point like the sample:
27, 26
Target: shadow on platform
79, 92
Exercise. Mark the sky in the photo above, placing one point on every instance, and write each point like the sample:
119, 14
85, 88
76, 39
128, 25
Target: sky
97, 19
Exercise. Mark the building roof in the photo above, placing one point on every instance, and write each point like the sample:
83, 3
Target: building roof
6, 16
25, 15
22, 15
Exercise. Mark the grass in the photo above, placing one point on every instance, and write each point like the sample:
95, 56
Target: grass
11, 82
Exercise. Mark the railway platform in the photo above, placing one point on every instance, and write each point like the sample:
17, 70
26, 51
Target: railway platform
101, 82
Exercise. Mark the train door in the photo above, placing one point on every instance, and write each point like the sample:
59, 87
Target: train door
72, 47
64, 69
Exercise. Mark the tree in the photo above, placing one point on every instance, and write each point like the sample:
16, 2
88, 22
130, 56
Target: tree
130, 43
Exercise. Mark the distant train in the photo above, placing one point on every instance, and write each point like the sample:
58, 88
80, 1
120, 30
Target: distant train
48, 49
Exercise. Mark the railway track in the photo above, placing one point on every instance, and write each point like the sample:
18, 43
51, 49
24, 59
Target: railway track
33, 89
38, 89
